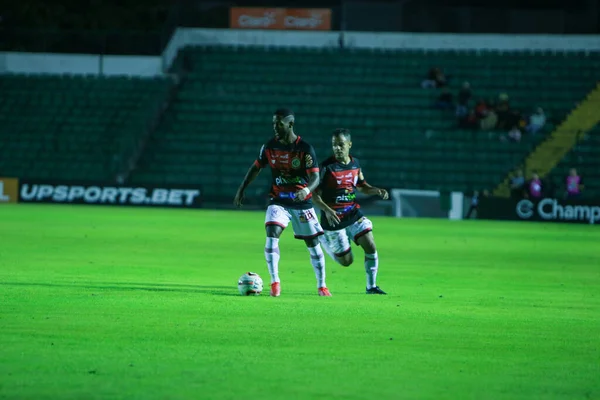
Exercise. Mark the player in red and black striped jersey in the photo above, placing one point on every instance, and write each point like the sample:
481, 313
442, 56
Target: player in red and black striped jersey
295, 175
341, 217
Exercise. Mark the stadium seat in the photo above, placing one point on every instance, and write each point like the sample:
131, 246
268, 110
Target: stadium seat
73, 127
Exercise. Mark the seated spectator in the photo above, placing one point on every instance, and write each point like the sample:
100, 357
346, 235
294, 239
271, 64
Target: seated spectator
445, 100
481, 108
537, 121
435, 79
514, 135
503, 112
486, 115
464, 95
468, 121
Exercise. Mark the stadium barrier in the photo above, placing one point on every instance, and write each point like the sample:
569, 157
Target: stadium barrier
180, 196
574, 211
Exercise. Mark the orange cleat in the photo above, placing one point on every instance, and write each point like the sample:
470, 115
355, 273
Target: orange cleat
323, 291
275, 289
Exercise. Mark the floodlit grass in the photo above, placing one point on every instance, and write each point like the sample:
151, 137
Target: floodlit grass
134, 303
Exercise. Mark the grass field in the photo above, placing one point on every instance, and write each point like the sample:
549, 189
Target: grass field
132, 303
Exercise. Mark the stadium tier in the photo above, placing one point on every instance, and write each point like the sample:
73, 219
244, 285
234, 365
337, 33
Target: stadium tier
65, 127
222, 114
86, 127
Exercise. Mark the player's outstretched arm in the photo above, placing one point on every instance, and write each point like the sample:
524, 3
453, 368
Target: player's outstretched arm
373, 191
369, 190
252, 173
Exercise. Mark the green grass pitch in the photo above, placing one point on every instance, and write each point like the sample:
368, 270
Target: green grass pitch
134, 303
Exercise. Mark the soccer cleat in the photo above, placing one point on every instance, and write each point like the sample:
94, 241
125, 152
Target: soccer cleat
275, 289
375, 290
323, 291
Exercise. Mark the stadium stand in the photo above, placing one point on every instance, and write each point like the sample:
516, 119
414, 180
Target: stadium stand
222, 113
75, 127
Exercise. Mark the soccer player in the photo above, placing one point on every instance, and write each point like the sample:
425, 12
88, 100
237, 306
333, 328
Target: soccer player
295, 175
341, 216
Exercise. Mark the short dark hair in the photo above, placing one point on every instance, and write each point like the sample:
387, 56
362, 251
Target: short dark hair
343, 132
283, 112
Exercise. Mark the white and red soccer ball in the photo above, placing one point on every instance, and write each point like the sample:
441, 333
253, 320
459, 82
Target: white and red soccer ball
250, 284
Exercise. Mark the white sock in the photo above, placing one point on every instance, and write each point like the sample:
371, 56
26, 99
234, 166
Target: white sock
272, 257
328, 249
371, 266
317, 259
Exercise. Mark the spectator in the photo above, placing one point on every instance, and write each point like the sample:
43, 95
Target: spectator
537, 121
474, 204
535, 187
514, 135
481, 108
489, 121
468, 121
517, 184
435, 79
574, 184
444, 101
464, 95
503, 112
486, 115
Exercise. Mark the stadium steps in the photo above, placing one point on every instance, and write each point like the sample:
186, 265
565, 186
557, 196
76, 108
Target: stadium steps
562, 140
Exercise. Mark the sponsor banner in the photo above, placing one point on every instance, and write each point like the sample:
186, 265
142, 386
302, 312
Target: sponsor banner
9, 190
160, 196
312, 19
573, 211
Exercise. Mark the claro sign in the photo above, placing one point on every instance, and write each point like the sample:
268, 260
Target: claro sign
315, 19
573, 211
44, 192
553, 210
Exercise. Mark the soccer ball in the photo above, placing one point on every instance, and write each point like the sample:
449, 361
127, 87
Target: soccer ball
250, 284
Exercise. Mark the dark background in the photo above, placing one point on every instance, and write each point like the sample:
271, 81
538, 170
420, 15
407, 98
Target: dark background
134, 27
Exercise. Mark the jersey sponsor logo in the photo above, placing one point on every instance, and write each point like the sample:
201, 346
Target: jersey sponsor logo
295, 163
343, 178
346, 198
290, 180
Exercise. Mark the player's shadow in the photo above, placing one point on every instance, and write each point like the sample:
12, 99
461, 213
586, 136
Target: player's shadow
131, 286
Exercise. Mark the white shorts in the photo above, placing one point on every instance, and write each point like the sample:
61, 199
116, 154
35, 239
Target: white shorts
305, 223
338, 241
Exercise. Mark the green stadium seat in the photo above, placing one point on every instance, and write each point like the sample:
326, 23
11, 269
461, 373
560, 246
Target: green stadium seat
221, 116
71, 127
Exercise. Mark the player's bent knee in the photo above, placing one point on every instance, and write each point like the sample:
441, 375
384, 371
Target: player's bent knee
313, 242
346, 260
273, 231
367, 242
